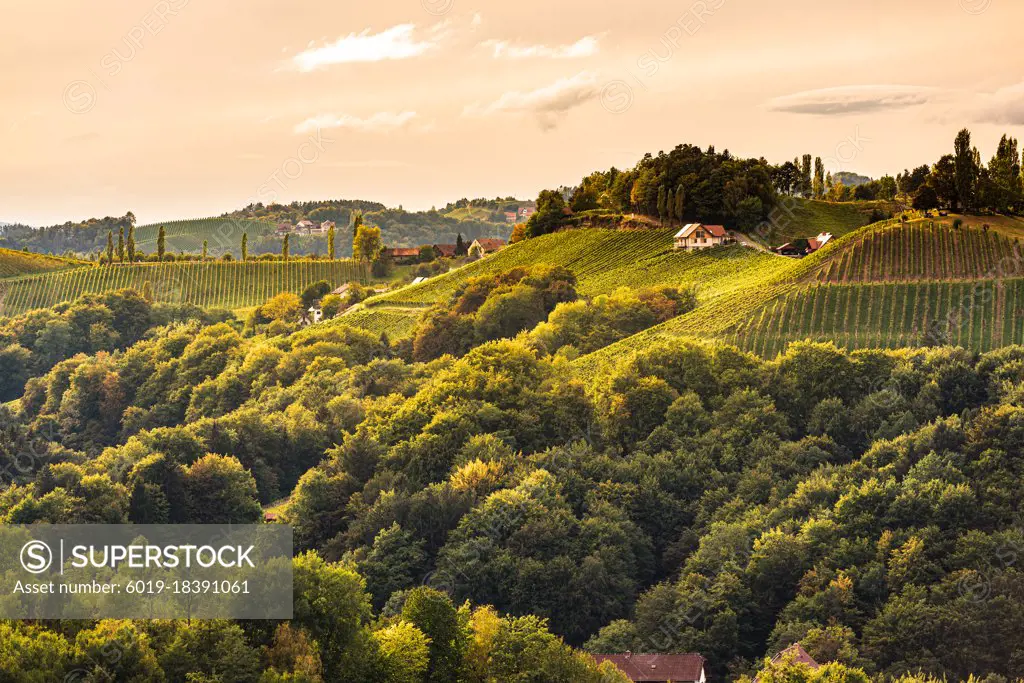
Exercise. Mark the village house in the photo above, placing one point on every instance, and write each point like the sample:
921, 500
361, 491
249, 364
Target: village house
526, 212
402, 255
304, 227
284, 229
510, 216
326, 226
799, 249
484, 246
445, 250
683, 668
694, 236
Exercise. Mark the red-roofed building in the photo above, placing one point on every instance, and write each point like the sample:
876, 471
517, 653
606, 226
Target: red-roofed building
485, 245
510, 216
445, 250
798, 655
402, 254
685, 668
695, 236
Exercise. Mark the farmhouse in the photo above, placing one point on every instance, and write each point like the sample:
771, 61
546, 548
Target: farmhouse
510, 216
402, 254
484, 246
445, 250
526, 212
803, 247
695, 236
684, 668
284, 229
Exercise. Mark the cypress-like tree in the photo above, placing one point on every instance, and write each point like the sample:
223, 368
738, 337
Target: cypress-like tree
330, 242
204, 249
460, 246
670, 204
161, 244
819, 178
966, 168
680, 202
110, 247
805, 172
120, 245
661, 203
131, 244
245, 246
284, 248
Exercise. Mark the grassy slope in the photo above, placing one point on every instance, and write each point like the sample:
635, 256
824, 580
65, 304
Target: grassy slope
602, 260
808, 217
975, 309
213, 284
17, 263
221, 234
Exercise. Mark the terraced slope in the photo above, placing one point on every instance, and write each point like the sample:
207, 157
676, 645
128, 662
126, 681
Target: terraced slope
980, 315
886, 285
213, 284
922, 250
14, 263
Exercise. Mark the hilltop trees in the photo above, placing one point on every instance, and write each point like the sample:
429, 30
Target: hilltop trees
161, 244
818, 187
110, 247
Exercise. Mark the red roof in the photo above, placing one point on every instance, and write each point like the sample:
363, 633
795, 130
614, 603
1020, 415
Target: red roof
491, 244
687, 667
446, 249
799, 655
400, 252
716, 230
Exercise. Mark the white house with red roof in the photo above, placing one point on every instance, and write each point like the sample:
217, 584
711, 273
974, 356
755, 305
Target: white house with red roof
694, 236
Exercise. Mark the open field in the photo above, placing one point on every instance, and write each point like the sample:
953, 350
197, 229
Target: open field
16, 263
215, 284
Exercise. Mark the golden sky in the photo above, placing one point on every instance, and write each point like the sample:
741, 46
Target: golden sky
189, 108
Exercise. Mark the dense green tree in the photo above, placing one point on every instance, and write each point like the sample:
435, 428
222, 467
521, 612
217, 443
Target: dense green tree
219, 491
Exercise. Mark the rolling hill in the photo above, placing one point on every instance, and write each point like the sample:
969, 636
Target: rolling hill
222, 235
603, 260
215, 284
16, 263
796, 217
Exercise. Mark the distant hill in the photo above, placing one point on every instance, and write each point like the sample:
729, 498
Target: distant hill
799, 217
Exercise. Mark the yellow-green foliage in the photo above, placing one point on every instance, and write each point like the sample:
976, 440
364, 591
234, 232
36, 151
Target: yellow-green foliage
15, 263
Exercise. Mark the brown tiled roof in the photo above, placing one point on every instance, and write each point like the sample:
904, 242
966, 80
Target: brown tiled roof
400, 252
446, 249
686, 667
491, 244
799, 655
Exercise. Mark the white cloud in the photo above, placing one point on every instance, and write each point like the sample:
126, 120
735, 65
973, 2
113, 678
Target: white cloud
1004, 106
549, 103
503, 49
380, 121
396, 42
853, 99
